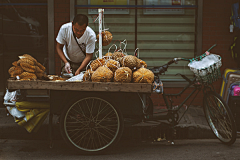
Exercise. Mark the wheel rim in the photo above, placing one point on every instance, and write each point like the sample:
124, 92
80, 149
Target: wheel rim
219, 118
91, 124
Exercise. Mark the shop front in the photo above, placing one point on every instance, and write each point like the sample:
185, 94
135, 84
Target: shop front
159, 29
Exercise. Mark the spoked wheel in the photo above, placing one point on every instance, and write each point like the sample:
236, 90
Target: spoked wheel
220, 118
91, 125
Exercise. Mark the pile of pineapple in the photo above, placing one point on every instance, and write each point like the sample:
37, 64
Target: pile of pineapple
27, 68
118, 67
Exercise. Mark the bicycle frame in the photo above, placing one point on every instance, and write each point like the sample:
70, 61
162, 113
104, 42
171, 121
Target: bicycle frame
172, 113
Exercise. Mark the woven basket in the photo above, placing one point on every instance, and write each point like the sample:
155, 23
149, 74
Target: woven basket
209, 72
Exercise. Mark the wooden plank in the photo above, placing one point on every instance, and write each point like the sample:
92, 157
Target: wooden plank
81, 86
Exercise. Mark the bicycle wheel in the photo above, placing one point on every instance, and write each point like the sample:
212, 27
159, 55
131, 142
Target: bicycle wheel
91, 125
219, 118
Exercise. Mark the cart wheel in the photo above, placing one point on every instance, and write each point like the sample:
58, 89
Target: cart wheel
219, 118
91, 125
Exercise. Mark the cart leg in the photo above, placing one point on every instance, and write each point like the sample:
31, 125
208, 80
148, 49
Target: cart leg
171, 140
50, 130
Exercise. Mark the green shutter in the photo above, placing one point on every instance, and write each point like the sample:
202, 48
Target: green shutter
160, 37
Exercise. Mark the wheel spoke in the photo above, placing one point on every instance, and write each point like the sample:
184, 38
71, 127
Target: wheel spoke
103, 135
91, 124
76, 129
104, 117
89, 109
77, 121
222, 123
88, 118
219, 118
225, 128
81, 114
108, 130
100, 112
83, 135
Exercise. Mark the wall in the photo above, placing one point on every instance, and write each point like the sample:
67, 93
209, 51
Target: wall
61, 16
216, 21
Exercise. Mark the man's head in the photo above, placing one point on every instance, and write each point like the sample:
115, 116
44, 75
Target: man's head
80, 23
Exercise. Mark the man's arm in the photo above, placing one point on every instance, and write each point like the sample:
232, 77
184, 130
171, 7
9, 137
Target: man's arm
85, 62
59, 48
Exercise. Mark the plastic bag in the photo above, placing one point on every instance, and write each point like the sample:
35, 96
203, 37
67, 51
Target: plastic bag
78, 77
67, 75
204, 66
15, 112
10, 98
158, 86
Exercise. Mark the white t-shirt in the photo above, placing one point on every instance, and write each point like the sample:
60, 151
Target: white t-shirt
71, 49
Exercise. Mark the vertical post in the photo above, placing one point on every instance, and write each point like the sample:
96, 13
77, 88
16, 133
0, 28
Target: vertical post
72, 9
136, 25
50, 129
144, 96
51, 56
199, 22
100, 11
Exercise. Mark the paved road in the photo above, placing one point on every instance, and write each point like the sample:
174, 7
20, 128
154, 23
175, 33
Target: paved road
133, 150
193, 125
17, 143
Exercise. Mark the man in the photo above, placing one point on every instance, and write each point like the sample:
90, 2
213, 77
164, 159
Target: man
75, 53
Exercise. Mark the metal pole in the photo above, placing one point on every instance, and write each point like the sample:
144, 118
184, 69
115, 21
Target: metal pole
100, 11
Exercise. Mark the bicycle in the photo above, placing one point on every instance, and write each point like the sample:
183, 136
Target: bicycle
93, 122
217, 112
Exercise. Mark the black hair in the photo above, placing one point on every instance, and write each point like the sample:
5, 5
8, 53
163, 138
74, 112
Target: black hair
81, 19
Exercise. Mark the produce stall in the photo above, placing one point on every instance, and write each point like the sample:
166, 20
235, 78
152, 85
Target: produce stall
93, 105
97, 106
129, 97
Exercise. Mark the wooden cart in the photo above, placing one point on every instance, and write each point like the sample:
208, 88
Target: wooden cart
91, 113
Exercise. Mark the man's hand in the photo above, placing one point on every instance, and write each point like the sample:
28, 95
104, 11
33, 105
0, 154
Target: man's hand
84, 63
68, 67
77, 72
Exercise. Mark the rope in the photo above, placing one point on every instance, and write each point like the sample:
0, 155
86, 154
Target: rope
123, 61
96, 53
141, 79
137, 55
97, 16
125, 45
111, 47
115, 65
127, 73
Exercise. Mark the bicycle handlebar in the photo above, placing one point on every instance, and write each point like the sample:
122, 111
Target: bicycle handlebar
162, 69
174, 60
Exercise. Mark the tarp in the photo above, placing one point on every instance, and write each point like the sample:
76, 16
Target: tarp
35, 114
